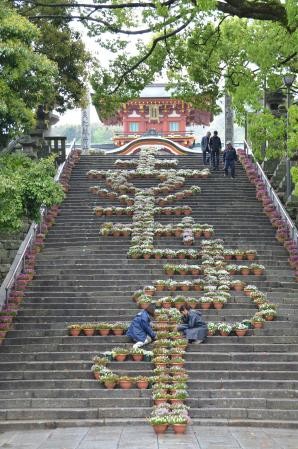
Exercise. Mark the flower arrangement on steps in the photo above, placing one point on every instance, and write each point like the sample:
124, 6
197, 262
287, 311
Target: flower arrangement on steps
17, 293
97, 328
216, 268
283, 234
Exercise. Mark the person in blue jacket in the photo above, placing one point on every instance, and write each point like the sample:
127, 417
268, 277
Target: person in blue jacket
140, 330
229, 158
194, 327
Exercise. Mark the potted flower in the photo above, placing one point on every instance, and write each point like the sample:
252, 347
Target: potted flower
149, 290
225, 329
240, 329
120, 354
198, 284
185, 285
109, 380
137, 354
269, 314
206, 302
179, 423
142, 382
212, 328
74, 329
258, 321
238, 285
177, 361
160, 285
118, 328
159, 423
166, 302
88, 329
219, 301
244, 270
239, 255
103, 328
257, 269
144, 301
125, 382
250, 254
248, 289
192, 302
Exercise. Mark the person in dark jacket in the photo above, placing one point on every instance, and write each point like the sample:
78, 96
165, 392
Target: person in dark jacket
206, 148
229, 158
215, 147
194, 327
140, 330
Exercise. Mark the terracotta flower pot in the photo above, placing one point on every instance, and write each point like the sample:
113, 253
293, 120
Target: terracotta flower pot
160, 428
120, 357
75, 332
205, 305
166, 305
257, 325
184, 288
218, 305
142, 384
159, 288
110, 385
137, 357
224, 334
125, 384
96, 375
118, 331
179, 428
238, 287
103, 331
245, 272
240, 332
207, 234
257, 272
269, 318
238, 257
89, 332
195, 272
197, 287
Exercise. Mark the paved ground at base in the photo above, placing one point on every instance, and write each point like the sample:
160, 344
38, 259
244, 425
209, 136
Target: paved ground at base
143, 437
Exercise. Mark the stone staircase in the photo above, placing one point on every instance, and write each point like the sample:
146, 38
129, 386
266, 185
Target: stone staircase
45, 378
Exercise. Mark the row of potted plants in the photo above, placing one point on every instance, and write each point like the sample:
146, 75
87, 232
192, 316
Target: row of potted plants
283, 234
133, 163
101, 328
184, 269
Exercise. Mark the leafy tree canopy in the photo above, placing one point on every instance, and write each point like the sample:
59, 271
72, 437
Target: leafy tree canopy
63, 45
203, 46
25, 185
26, 77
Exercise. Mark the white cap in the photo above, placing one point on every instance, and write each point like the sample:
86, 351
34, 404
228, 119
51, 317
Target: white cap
229, 142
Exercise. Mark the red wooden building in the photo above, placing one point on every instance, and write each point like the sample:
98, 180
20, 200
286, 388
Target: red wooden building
155, 113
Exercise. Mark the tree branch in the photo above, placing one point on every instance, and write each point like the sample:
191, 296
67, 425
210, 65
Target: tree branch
149, 53
90, 19
129, 5
262, 10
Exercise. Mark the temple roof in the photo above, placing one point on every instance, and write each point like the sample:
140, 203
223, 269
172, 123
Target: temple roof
157, 90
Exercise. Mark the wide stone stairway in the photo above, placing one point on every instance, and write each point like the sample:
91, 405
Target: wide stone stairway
45, 377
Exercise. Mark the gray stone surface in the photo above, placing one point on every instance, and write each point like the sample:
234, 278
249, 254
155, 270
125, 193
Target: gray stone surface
143, 437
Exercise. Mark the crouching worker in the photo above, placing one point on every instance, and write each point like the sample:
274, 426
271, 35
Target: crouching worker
140, 330
194, 327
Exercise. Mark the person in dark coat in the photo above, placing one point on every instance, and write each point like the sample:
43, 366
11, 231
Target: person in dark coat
140, 330
229, 158
215, 147
206, 148
194, 327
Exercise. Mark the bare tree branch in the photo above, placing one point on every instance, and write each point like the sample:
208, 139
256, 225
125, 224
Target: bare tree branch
262, 10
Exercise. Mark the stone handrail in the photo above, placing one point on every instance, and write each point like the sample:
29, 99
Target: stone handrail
19, 261
274, 197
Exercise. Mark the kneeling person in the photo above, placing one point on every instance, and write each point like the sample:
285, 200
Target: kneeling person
140, 330
194, 327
